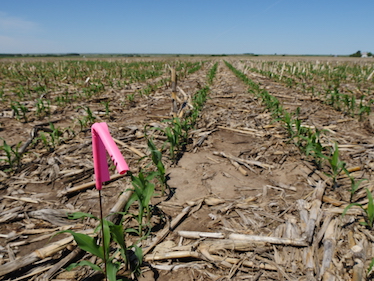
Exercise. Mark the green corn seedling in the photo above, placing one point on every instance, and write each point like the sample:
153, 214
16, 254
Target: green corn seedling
355, 186
19, 109
13, 157
90, 117
143, 192
2, 95
130, 97
44, 139
41, 108
106, 105
112, 234
156, 157
173, 140
314, 147
55, 135
368, 211
337, 166
15, 110
370, 267
82, 123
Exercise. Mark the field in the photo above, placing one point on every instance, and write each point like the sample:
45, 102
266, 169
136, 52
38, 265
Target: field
241, 168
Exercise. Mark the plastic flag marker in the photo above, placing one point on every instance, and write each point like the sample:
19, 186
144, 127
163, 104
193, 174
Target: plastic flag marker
101, 142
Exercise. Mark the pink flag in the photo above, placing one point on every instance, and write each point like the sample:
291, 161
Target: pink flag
101, 141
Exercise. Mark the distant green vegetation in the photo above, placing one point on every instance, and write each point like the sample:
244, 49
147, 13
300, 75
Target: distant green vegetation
358, 54
38, 55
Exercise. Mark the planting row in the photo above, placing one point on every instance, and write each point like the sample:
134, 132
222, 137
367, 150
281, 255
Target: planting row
347, 87
33, 92
312, 142
145, 183
120, 249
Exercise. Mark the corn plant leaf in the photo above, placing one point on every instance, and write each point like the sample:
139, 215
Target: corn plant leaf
106, 236
371, 265
370, 208
151, 176
86, 243
131, 200
138, 253
118, 235
350, 206
355, 185
334, 160
148, 194
84, 263
111, 271
132, 230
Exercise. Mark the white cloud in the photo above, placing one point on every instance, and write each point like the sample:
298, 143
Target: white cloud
15, 24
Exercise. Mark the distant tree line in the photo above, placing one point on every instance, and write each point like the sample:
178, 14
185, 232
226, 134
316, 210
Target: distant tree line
38, 55
70, 55
358, 54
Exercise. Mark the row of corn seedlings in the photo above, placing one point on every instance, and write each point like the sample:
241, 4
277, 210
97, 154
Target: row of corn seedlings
36, 96
177, 131
308, 141
144, 187
345, 87
65, 81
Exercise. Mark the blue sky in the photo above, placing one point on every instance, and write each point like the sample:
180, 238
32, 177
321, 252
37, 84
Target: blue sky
194, 26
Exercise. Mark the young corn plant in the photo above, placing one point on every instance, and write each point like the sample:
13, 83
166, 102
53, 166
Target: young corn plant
13, 157
143, 192
42, 109
51, 138
337, 166
19, 109
212, 73
371, 265
90, 117
355, 186
113, 234
173, 139
83, 123
176, 136
55, 135
364, 109
106, 105
314, 148
131, 99
87, 119
15, 110
288, 124
368, 210
156, 157
44, 139
299, 134
2, 95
